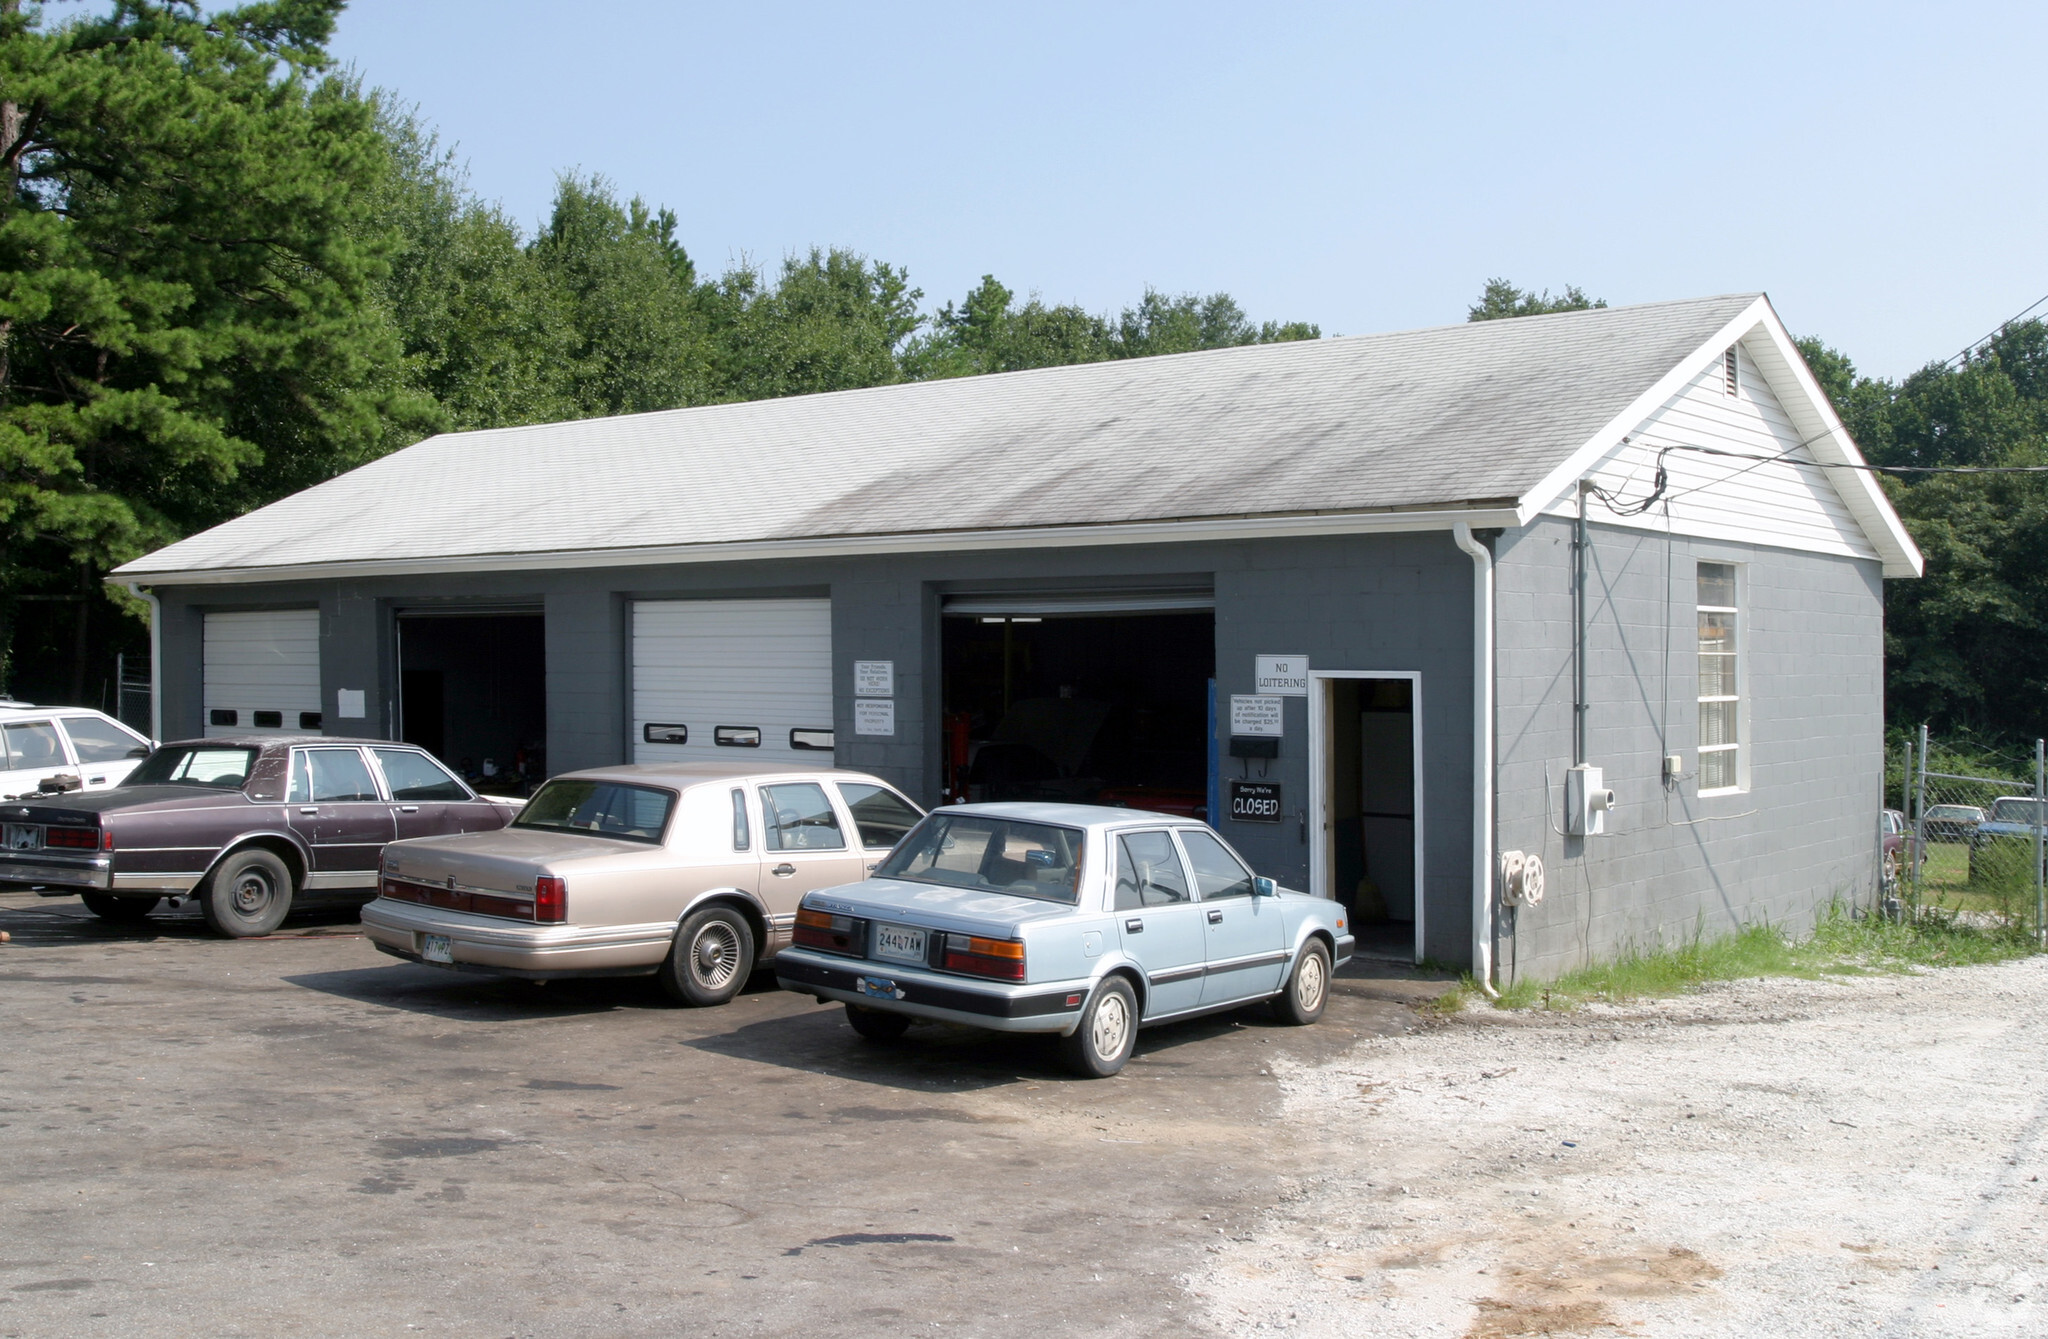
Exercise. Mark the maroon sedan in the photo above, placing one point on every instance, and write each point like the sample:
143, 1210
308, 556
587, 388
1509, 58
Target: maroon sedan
247, 825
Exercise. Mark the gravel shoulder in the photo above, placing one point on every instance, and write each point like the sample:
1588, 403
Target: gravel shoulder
1858, 1155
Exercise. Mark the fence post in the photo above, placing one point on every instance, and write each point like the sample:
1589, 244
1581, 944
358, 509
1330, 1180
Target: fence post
1918, 818
2040, 895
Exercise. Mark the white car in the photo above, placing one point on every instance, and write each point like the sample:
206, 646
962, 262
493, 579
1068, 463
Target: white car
87, 749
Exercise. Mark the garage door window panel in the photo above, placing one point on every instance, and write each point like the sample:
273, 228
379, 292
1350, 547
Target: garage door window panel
800, 818
881, 816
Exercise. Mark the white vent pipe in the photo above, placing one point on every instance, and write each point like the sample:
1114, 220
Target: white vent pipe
1482, 754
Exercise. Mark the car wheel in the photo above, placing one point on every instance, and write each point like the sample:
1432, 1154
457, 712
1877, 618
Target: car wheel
249, 894
1308, 987
1102, 1043
119, 910
876, 1024
712, 958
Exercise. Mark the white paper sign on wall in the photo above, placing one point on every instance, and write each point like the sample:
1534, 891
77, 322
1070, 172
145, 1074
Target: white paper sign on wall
874, 716
1256, 714
349, 703
1284, 676
874, 678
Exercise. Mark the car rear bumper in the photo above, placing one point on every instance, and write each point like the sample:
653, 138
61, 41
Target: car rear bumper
490, 944
61, 876
1039, 1007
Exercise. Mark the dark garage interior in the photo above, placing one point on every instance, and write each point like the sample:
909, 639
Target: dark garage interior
473, 692
1371, 785
1094, 708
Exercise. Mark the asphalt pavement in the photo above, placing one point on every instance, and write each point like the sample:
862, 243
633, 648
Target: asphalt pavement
296, 1134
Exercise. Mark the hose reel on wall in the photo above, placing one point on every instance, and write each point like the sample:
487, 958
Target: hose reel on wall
1521, 879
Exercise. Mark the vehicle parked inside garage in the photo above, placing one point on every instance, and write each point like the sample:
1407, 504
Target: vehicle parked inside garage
250, 826
63, 749
1079, 920
689, 871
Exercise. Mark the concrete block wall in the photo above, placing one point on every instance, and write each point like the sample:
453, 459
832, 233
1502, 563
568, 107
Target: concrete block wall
1673, 863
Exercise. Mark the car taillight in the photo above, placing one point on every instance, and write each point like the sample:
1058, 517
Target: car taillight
107, 840
999, 958
834, 934
550, 899
75, 839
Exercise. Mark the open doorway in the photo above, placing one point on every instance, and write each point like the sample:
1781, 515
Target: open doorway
472, 691
1089, 699
1365, 741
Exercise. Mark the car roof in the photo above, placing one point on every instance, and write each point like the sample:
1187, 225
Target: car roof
700, 773
1072, 815
10, 708
265, 741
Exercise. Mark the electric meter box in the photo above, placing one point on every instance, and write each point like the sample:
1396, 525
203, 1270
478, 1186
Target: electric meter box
1586, 801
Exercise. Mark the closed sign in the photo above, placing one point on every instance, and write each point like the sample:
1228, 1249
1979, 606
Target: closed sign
1255, 801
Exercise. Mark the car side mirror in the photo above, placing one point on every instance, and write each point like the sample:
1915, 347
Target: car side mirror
1264, 887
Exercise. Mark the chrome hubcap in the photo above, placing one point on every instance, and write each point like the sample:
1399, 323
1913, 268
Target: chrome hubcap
715, 957
1309, 983
1112, 1024
252, 893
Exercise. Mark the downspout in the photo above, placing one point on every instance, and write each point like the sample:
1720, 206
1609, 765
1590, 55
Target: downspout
156, 658
1482, 754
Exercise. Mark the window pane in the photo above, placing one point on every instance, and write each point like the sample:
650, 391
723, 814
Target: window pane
1717, 634
1217, 871
1717, 584
1717, 723
603, 808
331, 776
197, 766
999, 855
1717, 676
414, 776
881, 816
798, 817
33, 744
741, 839
96, 740
1717, 770
1148, 872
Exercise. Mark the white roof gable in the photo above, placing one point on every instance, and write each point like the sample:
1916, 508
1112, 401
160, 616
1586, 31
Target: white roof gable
1405, 431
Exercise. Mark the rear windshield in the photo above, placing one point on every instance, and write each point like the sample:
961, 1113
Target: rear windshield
993, 855
600, 808
2014, 811
194, 765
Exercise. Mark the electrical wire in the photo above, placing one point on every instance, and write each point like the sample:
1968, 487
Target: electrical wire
1964, 356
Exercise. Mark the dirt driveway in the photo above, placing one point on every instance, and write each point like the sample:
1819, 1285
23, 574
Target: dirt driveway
1847, 1157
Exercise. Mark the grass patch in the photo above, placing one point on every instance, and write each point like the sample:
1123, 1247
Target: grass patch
1841, 943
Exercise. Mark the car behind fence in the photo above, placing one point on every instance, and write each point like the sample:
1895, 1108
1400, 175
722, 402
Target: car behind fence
1971, 838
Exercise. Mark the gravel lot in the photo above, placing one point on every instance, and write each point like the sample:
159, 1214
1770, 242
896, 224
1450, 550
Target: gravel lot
1852, 1156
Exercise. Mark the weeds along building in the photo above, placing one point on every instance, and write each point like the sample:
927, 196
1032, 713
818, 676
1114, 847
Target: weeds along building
1329, 592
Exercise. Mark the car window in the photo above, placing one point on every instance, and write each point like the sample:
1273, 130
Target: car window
997, 855
415, 776
881, 815
33, 744
329, 776
741, 838
196, 765
96, 740
2003, 811
798, 817
1148, 872
601, 808
1218, 873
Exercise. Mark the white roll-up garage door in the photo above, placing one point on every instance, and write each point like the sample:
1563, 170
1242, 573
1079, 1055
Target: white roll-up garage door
734, 681
261, 672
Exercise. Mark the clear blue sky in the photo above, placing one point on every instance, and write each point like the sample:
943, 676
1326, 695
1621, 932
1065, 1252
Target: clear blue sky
1877, 168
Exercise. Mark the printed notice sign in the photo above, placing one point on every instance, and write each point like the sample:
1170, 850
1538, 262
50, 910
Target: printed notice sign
1255, 801
349, 703
874, 678
1256, 715
1283, 676
874, 716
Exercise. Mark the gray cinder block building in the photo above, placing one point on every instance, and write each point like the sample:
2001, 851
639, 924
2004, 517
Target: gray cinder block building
1601, 588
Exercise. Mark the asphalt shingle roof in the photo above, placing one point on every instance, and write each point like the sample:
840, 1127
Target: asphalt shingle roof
1454, 415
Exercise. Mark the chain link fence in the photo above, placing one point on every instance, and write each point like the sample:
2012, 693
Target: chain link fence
1966, 839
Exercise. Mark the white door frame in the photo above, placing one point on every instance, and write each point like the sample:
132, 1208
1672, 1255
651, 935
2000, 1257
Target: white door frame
1318, 780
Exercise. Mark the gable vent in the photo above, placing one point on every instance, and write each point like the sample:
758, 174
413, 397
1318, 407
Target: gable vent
1731, 380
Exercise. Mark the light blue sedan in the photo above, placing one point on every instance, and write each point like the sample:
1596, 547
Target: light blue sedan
1082, 921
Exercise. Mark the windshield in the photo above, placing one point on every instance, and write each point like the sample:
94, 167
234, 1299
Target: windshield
194, 765
1953, 811
993, 855
2014, 811
599, 808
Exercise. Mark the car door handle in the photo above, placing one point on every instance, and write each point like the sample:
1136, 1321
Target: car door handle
309, 808
874, 865
1216, 918
408, 808
783, 871
1134, 926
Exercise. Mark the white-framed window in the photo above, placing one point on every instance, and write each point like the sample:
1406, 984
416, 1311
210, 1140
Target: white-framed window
1720, 688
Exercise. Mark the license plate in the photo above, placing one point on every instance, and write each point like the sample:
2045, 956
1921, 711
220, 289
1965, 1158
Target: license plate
899, 942
24, 837
436, 948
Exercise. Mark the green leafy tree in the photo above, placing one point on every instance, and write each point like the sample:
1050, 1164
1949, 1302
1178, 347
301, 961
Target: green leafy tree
989, 332
186, 280
1501, 299
832, 320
